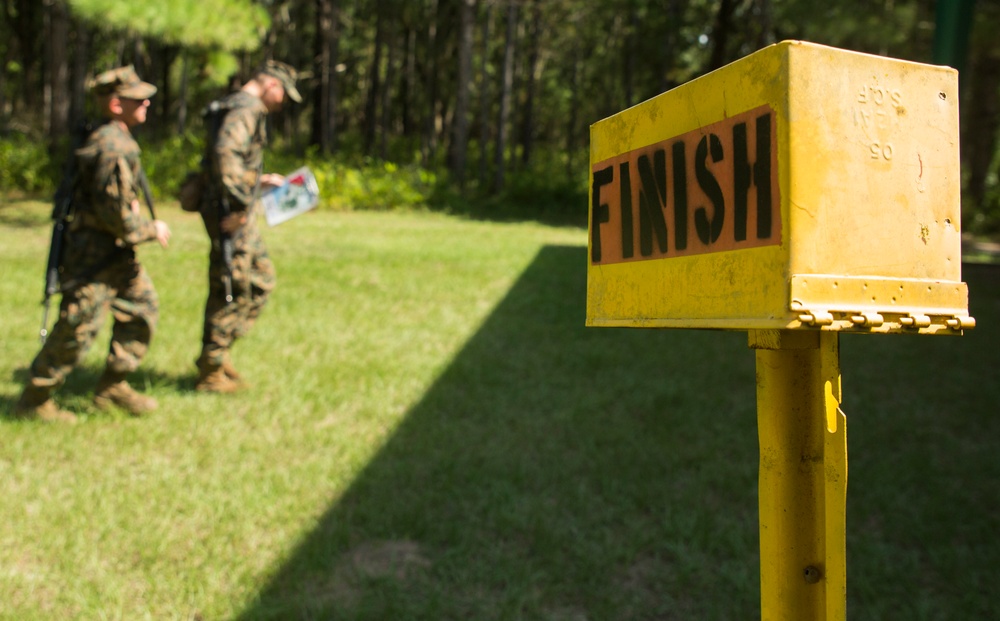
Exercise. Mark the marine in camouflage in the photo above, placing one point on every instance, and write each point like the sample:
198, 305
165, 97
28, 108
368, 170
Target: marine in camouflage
235, 164
99, 271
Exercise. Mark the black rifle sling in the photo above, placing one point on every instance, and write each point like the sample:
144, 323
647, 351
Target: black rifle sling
213, 115
146, 192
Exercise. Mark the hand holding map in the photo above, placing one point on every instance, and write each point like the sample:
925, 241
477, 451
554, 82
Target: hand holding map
298, 194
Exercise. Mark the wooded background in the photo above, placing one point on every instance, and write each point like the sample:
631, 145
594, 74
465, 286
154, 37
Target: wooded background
481, 88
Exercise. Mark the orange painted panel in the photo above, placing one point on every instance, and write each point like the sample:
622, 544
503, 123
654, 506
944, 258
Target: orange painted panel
712, 189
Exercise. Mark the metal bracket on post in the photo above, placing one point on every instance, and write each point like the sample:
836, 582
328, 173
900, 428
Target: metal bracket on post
803, 476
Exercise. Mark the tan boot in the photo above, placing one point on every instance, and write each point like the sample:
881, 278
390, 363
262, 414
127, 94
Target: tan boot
112, 389
232, 373
214, 379
35, 404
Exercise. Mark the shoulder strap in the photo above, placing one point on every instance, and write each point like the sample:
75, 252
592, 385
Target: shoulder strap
213, 115
63, 199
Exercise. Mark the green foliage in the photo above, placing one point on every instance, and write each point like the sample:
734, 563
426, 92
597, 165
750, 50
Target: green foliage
226, 24
168, 161
25, 166
986, 219
543, 193
346, 184
378, 186
369, 184
552, 190
860, 25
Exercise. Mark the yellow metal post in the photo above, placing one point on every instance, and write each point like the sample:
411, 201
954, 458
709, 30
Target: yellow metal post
803, 476
759, 197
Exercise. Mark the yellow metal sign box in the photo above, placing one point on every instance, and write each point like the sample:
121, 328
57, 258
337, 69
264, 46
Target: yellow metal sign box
802, 187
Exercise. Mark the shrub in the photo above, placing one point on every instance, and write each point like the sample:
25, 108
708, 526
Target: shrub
25, 166
348, 184
167, 162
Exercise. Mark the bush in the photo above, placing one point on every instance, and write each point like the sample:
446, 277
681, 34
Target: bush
25, 166
168, 161
348, 184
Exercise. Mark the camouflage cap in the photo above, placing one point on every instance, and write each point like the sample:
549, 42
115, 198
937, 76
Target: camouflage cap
286, 74
124, 82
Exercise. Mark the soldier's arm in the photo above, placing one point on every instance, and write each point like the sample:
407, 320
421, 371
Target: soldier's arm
232, 148
117, 199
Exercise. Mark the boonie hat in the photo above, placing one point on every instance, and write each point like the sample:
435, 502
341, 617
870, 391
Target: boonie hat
124, 82
286, 74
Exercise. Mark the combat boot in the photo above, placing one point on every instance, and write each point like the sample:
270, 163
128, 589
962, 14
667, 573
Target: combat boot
112, 389
36, 404
232, 373
213, 378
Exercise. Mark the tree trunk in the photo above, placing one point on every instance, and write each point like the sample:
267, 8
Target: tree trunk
671, 49
78, 92
28, 29
628, 57
431, 80
765, 21
58, 62
324, 94
182, 95
6, 12
506, 94
528, 118
982, 116
574, 114
374, 82
385, 117
460, 133
162, 57
407, 83
720, 35
484, 97
334, 90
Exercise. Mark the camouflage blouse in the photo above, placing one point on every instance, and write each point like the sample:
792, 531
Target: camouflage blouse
238, 153
108, 168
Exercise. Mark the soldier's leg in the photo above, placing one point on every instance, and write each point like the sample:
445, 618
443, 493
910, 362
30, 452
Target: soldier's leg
256, 279
136, 311
221, 319
262, 282
221, 316
81, 314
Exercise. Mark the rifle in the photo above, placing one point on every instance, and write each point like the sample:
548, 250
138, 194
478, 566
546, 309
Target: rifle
226, 240
146, 192
62, 213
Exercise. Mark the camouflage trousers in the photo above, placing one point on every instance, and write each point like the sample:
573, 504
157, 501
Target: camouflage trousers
253, 279
126, 290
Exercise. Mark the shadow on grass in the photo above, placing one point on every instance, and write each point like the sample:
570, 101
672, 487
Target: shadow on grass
558, 472
552, 472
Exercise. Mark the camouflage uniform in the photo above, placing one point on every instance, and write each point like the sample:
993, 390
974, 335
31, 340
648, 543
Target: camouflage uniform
99, 271
235, 164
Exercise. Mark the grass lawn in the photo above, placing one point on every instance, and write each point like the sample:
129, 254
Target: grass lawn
431, 433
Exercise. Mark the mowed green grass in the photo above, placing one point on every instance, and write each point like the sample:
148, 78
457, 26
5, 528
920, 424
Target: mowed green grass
432, 433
